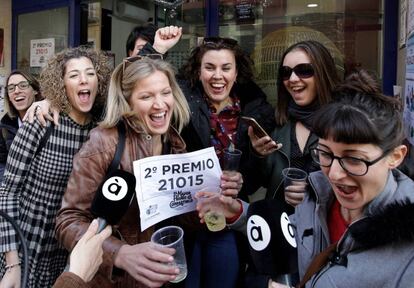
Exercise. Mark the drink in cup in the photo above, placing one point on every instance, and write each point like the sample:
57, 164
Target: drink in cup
214, 218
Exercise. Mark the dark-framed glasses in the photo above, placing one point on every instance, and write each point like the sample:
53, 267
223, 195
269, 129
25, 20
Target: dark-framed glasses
303, 71
219, 42
129, 60
23, 85
352, 165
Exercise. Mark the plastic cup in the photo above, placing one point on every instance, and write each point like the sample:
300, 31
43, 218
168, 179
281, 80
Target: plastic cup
231, 159
214, 218
294, 177
172, 237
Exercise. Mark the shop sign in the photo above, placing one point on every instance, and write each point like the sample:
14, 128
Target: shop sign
40, 51
244, 11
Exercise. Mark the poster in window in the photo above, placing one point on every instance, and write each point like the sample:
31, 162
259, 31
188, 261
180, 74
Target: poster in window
40, 51
1, 47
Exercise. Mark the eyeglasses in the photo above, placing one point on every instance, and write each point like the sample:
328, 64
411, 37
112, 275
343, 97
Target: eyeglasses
23, 85
219, 42
303, 71
127, 61
352, 165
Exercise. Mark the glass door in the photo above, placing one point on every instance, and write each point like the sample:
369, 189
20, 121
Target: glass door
39, 36
351, 30
191, 16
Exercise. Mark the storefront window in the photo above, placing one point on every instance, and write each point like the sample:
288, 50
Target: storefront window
351, 30
40, 35
191, 16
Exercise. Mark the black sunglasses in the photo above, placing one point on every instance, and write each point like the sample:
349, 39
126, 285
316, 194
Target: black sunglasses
127, 61
219, 42
303, 71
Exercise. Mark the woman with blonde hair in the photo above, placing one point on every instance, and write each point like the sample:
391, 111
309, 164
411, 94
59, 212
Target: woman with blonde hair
143, 97
40, 162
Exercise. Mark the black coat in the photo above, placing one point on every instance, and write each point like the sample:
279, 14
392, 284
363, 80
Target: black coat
253, 104
8, 130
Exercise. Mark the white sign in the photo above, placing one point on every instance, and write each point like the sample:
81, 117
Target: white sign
40, 51
166, 184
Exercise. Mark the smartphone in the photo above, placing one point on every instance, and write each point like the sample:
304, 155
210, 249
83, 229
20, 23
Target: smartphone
257, 129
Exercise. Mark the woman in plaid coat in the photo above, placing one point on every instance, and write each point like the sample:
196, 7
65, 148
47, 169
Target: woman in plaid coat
75, 82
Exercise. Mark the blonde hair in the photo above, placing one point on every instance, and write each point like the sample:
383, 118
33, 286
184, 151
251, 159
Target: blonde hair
123, 83
53, 86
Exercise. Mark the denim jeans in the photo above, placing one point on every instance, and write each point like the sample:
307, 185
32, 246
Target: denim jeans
214, 262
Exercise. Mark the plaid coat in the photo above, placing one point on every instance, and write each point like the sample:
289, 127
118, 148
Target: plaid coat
32, 193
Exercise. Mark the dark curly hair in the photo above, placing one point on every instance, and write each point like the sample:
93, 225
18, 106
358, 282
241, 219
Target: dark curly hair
191, 69
52, 84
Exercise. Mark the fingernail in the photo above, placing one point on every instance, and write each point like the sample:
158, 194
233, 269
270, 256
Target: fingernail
170, 259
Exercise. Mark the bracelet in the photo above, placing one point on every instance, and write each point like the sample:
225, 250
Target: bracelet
235, 217
10, 266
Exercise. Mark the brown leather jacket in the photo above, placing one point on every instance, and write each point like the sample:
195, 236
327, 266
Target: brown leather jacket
70, 280
89, 167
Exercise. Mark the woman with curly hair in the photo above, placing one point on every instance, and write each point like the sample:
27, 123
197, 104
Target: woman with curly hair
74, 81
21, 90
217, 82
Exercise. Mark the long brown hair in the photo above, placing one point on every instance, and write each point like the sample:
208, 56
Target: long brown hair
326, 76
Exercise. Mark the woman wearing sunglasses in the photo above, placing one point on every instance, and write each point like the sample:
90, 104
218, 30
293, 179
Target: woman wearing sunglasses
34, 181
306, 79
217, 82
21, 91
359, 209
145, 98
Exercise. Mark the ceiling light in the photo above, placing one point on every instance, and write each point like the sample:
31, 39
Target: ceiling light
312, 5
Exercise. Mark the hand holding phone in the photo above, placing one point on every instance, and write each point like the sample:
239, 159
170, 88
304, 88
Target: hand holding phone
261, 146
257, 129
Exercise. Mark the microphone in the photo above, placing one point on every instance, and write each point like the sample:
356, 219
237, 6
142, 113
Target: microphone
113, 198
272, 241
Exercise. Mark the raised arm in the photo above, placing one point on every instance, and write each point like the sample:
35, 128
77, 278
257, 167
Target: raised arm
166, 38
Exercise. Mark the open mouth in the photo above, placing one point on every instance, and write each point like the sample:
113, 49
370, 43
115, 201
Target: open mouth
84, 95
346, 190
298, 89
19, 99
158, 118
217, 87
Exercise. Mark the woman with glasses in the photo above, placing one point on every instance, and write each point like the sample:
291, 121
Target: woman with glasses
35, 178
359, 209
21, 91
217, 82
